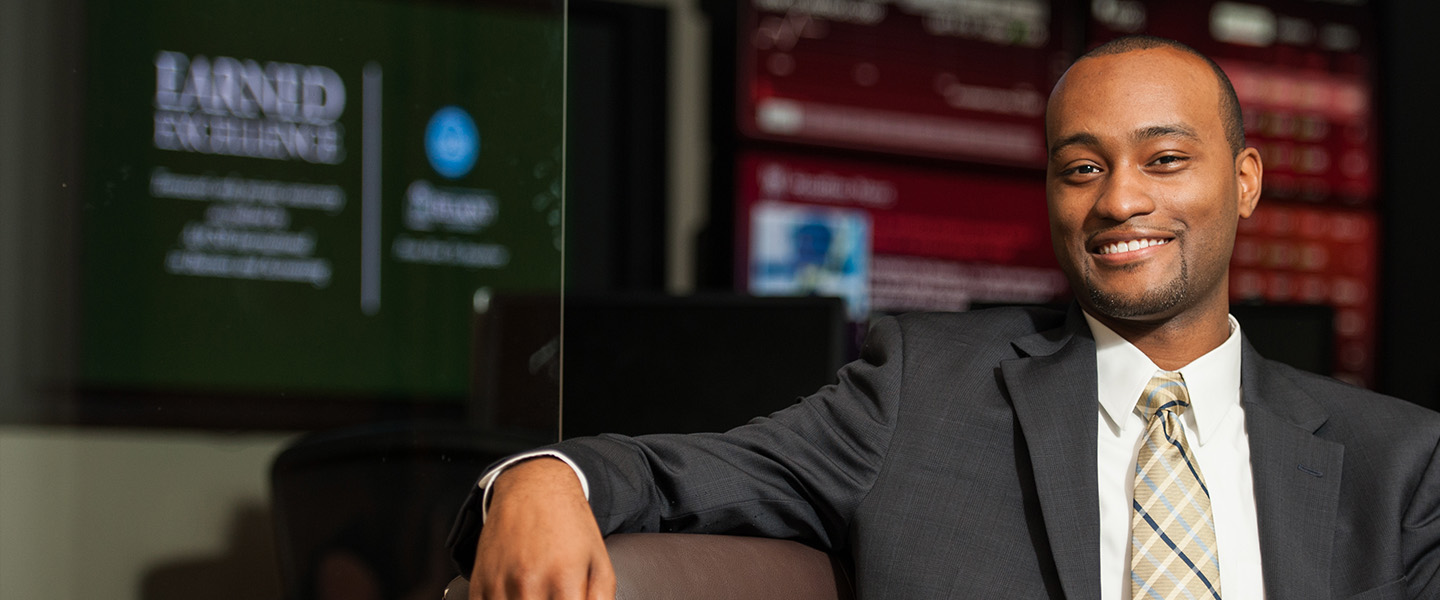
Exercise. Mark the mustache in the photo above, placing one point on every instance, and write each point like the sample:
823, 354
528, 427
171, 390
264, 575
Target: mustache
1129, 230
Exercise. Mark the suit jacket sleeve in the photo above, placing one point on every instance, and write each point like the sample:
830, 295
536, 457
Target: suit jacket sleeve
797, 474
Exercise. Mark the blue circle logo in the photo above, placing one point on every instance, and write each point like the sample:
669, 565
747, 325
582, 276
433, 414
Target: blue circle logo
451, 142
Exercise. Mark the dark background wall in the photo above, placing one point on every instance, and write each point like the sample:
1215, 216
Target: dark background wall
1410, 265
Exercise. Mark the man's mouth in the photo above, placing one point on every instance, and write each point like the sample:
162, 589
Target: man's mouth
1130, 246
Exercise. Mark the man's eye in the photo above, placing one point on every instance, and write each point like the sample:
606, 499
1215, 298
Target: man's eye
1169, 159
1082, 170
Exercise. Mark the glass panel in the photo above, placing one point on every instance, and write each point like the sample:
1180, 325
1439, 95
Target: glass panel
278, 278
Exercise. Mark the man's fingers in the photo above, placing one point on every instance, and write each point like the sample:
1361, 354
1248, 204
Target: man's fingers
602, 579
545, 577
602, 588
568, 589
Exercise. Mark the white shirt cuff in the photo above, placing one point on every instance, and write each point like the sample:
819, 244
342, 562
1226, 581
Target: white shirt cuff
489, 477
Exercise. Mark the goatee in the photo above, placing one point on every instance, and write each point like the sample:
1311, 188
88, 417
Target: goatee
1149, 302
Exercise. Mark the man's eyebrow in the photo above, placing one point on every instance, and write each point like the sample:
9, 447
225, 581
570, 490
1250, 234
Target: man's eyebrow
1084, 139
1161, 131
1140, 135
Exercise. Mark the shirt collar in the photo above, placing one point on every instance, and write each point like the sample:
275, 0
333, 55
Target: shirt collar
1213, 380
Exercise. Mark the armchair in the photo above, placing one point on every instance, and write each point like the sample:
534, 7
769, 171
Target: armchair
679, 566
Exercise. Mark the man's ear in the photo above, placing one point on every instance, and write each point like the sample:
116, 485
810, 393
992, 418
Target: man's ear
1248, 175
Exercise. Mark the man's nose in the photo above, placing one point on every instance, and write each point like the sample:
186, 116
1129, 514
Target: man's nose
1126, 194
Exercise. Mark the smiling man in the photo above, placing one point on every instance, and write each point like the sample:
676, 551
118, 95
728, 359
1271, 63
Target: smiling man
1133, 447
1148, 176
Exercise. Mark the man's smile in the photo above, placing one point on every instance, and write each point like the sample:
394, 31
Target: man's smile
1122, 247
1123, 244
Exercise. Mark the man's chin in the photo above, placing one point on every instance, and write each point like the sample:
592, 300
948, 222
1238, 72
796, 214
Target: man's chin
1119, 298
1153, 305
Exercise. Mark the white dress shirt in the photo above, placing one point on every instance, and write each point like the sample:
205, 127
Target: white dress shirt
1214, 427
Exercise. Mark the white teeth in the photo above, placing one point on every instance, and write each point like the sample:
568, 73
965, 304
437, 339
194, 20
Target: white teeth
1130, 246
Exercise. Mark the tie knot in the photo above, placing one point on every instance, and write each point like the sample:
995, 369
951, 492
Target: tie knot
1166, 391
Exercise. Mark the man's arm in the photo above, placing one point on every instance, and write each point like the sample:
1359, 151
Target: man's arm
541, 540
798, 474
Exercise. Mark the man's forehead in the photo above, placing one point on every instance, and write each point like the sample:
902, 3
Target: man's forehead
1132, 90
1139, 63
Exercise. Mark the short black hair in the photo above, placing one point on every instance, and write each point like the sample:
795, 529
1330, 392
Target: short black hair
1229, 103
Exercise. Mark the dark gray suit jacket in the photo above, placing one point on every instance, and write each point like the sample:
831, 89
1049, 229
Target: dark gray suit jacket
956, 459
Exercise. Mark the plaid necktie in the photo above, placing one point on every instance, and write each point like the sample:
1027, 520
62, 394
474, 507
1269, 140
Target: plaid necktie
1172, 533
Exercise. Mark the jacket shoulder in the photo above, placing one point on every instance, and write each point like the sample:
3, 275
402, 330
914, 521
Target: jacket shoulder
1357, 409
1006, 322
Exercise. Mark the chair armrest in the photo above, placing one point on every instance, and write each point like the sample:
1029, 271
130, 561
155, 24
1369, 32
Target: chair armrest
658, 566
682, 566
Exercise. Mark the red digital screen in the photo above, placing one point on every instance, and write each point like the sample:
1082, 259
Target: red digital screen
967, 82
939, 239
1289, 254
1304, 74
956, 80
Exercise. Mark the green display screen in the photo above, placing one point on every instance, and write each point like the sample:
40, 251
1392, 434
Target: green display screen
313, 196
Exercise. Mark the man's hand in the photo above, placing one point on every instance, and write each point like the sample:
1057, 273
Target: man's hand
540, 539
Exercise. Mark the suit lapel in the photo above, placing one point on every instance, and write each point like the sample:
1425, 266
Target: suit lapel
1053, 390
1297, 482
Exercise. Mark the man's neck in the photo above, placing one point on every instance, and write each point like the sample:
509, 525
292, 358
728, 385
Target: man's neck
1171, 343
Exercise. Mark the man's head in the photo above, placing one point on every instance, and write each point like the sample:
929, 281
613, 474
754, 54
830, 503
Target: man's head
1230, 113
1147, 178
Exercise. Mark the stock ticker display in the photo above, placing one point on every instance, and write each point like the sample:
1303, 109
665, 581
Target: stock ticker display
837, 99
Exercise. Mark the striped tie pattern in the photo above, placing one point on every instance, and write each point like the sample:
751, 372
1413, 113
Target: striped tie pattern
1172, 532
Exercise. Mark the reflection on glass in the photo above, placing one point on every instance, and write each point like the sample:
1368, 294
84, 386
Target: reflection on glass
253, 253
